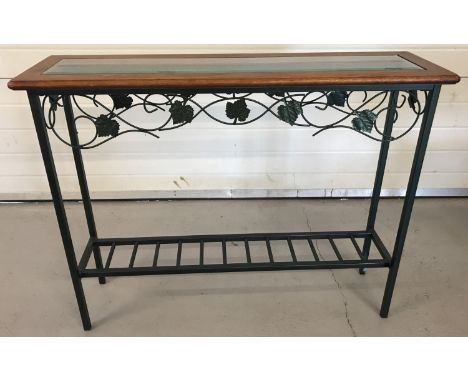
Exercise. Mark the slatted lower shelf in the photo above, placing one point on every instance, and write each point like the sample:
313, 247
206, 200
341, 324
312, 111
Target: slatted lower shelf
312, 260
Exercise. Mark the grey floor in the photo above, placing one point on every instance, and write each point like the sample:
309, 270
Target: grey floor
36, 295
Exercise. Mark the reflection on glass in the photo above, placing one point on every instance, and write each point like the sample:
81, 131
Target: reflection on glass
224, 65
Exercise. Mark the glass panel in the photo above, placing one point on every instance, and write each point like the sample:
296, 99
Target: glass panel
224, 65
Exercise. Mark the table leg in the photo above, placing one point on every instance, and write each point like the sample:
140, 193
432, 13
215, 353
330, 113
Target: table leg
418, 159
82, 180
51, 172
387, 133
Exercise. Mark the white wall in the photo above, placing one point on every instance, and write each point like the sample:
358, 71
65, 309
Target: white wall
204, 159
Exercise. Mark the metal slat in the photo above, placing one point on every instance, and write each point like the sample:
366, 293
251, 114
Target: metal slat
356, 245
247, 251
109, 257
86, 255
335, 249
224, 252
270, 253
291, 249
314, 251
202, 249
179, 253
381, 247
132, 259
156, 255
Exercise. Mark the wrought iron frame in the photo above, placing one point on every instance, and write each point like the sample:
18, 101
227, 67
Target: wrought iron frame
333, 97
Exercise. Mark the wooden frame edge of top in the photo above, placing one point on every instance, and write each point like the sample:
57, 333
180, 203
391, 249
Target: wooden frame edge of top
34, 79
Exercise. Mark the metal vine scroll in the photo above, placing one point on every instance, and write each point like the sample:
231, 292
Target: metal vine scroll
110, 115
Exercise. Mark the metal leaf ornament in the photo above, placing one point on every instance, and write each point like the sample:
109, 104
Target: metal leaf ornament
337, 98
413, 99
237, 110
289, 111
106, 126
122, 101
181, 113
364, 121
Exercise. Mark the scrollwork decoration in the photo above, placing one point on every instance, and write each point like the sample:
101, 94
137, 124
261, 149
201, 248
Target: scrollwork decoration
355, 110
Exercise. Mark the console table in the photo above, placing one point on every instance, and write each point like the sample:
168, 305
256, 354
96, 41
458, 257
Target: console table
361, 92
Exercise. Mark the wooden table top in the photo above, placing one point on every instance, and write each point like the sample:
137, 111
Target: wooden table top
229, 71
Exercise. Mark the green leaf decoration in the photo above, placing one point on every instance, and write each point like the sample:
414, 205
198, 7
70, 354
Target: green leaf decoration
237, 110
290, 111
121, 101
337, 98
413, 99
364, 121
106, 126
181, 113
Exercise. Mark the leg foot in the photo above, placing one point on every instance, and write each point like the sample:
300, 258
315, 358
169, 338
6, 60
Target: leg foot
87, 326
362, 271
102, 280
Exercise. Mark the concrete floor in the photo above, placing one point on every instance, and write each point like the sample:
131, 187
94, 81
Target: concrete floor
36, 295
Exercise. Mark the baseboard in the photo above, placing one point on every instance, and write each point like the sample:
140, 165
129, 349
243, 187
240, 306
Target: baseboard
241, 194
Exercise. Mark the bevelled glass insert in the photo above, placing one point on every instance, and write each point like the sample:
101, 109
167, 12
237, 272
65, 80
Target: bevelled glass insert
224, 65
